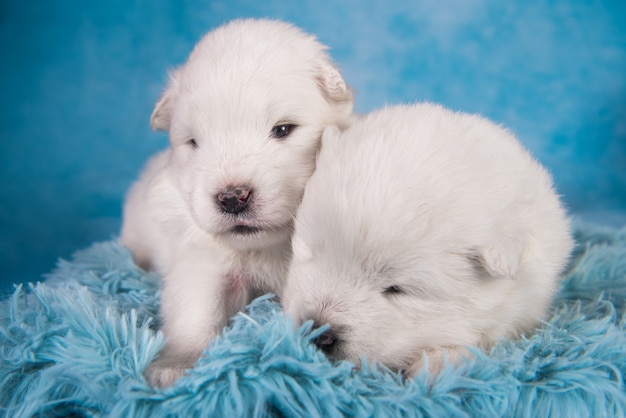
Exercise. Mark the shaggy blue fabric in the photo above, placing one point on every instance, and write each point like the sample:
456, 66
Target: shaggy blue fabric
77, 345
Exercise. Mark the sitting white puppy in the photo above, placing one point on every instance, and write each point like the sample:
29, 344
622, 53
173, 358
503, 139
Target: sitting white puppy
214, 213
423, 231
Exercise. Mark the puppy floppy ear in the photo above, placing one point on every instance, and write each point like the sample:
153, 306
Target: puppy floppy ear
334, 88
338, 94
161, 117
500, 259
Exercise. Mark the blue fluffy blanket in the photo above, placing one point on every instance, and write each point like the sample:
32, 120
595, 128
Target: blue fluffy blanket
77, 345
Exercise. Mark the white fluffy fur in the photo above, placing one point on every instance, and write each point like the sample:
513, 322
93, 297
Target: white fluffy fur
240, 81
423, 231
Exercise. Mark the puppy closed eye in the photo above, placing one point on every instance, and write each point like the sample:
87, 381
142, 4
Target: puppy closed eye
282, 131
193, 143
393, 291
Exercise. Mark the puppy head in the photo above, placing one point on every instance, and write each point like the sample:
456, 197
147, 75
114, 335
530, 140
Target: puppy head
386, 263
245, 115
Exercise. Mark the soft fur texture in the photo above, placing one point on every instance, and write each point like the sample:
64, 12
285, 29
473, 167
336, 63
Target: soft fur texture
437, 231
78, 345
213, 214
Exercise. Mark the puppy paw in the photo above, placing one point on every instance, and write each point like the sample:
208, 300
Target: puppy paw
436, 359
164, 371
162, 377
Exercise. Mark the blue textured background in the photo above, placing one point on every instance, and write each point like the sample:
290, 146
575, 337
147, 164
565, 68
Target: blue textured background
78, 80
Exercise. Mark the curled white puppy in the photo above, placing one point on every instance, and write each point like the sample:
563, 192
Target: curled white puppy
213, 214
422, 232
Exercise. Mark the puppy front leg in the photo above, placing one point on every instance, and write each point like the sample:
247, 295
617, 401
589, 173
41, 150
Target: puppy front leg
193, 313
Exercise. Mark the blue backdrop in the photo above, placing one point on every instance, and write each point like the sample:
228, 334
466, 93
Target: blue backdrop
78, 80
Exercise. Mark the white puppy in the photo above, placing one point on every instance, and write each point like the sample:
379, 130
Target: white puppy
423, 231
213, 214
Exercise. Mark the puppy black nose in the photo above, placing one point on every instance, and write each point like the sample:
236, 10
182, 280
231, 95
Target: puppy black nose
234, 199
326, 341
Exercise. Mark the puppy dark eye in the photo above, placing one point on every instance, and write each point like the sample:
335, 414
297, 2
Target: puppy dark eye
393, 290
282, 131
193, 143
